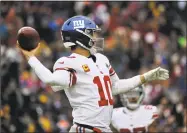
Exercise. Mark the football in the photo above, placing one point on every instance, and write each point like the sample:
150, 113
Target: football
28, 38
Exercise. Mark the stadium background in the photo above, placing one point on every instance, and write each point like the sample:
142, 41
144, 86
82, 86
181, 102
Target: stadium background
139, 36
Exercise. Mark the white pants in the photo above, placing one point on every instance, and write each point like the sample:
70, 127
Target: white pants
77, 129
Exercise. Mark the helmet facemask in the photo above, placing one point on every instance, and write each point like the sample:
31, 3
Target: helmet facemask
133, 99
95, 43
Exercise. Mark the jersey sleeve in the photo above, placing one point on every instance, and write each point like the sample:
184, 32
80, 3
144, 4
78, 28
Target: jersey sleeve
152, 113
65, 66
155, 114
111, 70
57, 79
113, 76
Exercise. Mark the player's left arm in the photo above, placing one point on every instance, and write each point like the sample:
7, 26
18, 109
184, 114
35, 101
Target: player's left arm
123, 85
120, 85
58, 79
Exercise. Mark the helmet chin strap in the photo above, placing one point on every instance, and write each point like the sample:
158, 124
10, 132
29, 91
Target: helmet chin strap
92, 50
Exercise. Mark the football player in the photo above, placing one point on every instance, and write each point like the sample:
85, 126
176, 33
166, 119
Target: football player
133, 117
87, 77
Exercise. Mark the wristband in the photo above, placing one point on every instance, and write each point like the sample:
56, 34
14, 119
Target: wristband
142, 78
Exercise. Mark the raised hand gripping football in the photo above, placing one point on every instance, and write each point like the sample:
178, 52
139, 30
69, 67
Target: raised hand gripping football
28, 41
29, 54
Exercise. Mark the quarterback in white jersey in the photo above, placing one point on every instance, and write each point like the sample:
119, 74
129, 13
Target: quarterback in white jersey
87, 77
134, 117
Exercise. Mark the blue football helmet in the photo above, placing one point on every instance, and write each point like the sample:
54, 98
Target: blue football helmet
79, 30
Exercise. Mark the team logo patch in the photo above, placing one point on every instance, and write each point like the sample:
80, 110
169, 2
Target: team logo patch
78, 24
86, 68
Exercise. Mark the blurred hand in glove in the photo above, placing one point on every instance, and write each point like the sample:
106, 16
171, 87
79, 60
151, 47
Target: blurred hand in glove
155, 74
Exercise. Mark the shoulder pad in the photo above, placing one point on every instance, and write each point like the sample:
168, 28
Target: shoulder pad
152, 110
62, 63
103, 58
116, 111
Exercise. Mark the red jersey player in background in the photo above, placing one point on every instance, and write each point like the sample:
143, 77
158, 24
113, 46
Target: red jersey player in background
87, 77
133, 117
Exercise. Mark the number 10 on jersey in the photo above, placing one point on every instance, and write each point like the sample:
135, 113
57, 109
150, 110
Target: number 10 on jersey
103, 101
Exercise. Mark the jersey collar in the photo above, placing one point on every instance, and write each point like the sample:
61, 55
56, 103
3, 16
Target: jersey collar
78, 55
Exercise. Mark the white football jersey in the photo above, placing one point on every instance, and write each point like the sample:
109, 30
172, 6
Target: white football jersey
124, 120
89, 90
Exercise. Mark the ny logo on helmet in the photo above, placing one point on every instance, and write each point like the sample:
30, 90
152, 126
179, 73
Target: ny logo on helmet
78, 24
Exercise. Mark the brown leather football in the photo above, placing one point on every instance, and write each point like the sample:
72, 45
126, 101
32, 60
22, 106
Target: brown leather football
28, 38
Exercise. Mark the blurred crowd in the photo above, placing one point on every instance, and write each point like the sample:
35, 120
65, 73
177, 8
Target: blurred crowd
139, 36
